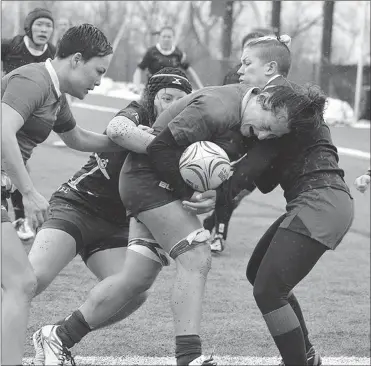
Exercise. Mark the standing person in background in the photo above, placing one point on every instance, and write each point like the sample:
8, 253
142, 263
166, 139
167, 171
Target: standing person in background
34, 46
61, 26
164, 54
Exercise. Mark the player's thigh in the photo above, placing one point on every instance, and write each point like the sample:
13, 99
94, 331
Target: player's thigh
16, 270
170, 224
107, 262
51, 251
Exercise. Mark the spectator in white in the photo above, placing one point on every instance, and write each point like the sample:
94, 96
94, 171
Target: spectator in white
164, 54
21, 50
363, 181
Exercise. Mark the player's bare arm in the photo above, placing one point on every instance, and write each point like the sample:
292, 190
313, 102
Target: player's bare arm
127, 134
35, 204
84, 140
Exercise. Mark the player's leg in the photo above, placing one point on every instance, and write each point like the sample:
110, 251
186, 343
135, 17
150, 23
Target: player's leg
254, 264
18, 285
289, 258
51, 251
182, 236
116, 297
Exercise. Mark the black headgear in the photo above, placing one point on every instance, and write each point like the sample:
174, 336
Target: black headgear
33, 15
165, 79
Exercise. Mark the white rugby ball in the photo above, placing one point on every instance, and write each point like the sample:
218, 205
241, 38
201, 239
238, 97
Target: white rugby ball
204, 166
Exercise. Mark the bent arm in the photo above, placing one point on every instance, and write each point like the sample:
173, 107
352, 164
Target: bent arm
127, 134
164, 154
11, 157
137, 77
88, 141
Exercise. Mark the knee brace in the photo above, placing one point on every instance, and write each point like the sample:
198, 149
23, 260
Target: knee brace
194, 239
150, 249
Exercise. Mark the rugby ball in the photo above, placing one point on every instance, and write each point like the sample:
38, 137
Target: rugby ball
204, 166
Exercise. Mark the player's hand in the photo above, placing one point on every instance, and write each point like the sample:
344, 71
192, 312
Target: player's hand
146, 128
362, 182
201, 203
36, 208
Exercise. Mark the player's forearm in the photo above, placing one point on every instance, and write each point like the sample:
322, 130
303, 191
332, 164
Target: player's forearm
13, 163
126, 134
164, 154
88, 141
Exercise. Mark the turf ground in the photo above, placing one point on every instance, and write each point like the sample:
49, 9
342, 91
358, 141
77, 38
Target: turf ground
335, 297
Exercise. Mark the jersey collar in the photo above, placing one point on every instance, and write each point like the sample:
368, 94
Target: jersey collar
32, 51
165, 52
53, 76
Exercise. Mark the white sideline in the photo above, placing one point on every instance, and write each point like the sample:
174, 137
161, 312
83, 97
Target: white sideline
223, 360
342, 150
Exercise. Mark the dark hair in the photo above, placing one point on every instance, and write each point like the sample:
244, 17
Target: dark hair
166, 27
272, 49
164, 78
304, 105
85, 39
256, 33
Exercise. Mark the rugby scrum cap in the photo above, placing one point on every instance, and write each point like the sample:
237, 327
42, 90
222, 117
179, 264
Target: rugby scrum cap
168, 78
33, 15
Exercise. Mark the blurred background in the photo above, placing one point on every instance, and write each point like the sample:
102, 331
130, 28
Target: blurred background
330, 39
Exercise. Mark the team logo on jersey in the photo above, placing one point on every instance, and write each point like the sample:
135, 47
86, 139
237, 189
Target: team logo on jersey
176, 81
102, 165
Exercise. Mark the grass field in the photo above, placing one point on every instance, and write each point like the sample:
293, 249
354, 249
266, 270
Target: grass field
335, 297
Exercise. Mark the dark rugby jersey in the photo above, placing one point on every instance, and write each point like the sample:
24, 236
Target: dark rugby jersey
31, 92
303, 163
14, 54
96, 183
154, 60
210, 114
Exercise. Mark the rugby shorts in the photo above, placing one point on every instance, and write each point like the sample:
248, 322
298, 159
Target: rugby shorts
140, 188
324, 214
91, 233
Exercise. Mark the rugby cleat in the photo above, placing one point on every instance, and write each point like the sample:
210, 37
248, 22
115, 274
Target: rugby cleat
39, 358
313, 358
204, 361
217, 244
48, 343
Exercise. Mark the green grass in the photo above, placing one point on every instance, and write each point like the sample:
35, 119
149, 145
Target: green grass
334, 296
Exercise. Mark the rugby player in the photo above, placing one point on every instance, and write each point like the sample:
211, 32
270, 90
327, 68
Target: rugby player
21, 50
88, 218
212, 114
319, 213
164, 54
268, 61
33, 104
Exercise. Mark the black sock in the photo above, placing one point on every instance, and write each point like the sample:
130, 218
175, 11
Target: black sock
291, 347
17, 203
73, 329
293, 301
188, 348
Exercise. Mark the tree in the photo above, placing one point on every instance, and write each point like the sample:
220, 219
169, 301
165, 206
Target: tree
328, 15
276, 16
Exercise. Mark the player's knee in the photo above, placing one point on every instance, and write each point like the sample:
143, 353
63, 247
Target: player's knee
268, 296
196, 260
24, 284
